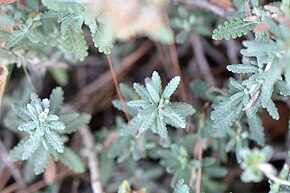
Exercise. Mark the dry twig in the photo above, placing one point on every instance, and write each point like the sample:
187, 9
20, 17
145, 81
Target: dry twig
92, 159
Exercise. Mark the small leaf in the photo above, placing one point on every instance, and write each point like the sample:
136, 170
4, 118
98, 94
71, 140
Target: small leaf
233, 28
242, 68
30, 147
70, 159
54, 140
171, 87
257, 130
21, 112
141, 91
41, 160
16, 153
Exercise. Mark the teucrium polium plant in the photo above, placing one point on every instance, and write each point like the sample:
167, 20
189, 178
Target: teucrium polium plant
149, 149
46, 129
155, 110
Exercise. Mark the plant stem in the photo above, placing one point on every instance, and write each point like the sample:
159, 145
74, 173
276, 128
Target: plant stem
92, 155
120, 96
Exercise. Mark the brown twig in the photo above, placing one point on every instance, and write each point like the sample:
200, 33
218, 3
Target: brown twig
120, 96
104, 84
201, 59
92, 155
206, 5
13, 169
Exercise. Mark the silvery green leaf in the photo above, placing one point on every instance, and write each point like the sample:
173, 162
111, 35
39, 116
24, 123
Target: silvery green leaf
28, 173
45, 103
55, 141
175, 117
257, 130
171, 87
128, 92
56, 100
226, 112
153, 93
272, 109
56, 125
181, 187
71, 160
183, 109
31, 146
283, 88
236, 84
242, 68
32, 111
34, 99
147, 121
27, 126
139, 104
21, 112
75, 124
38, 108
141, 91
41, 160
156, 82
161, 128
52, 117
16, 153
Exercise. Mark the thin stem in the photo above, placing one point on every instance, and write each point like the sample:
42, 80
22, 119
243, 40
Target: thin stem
120, 96
28, 78
13, 169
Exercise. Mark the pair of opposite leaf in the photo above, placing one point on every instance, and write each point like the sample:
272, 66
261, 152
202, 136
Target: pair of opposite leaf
155, 110
46, 127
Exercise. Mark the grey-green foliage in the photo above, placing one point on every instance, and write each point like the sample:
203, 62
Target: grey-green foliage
181, 187
233, 28
46, 128
176, 160
269, 71
154, 108
252, 164
187, 20
278, 184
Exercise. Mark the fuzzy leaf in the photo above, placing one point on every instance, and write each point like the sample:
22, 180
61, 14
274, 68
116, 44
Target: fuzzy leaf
181, 187
156, 82
171, 87
257, 130
139, 103
232, 29
141, 91
74, 121
283, 88
242, 68
103, 39
56, 100
70, 159
183, 109
55, 141
41, 160
153, 93
16, 153
30, 147
227, 112
27, 126
21, 112
75, 44
174, 117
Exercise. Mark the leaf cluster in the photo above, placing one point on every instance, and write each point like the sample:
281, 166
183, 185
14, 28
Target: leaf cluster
46, 129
